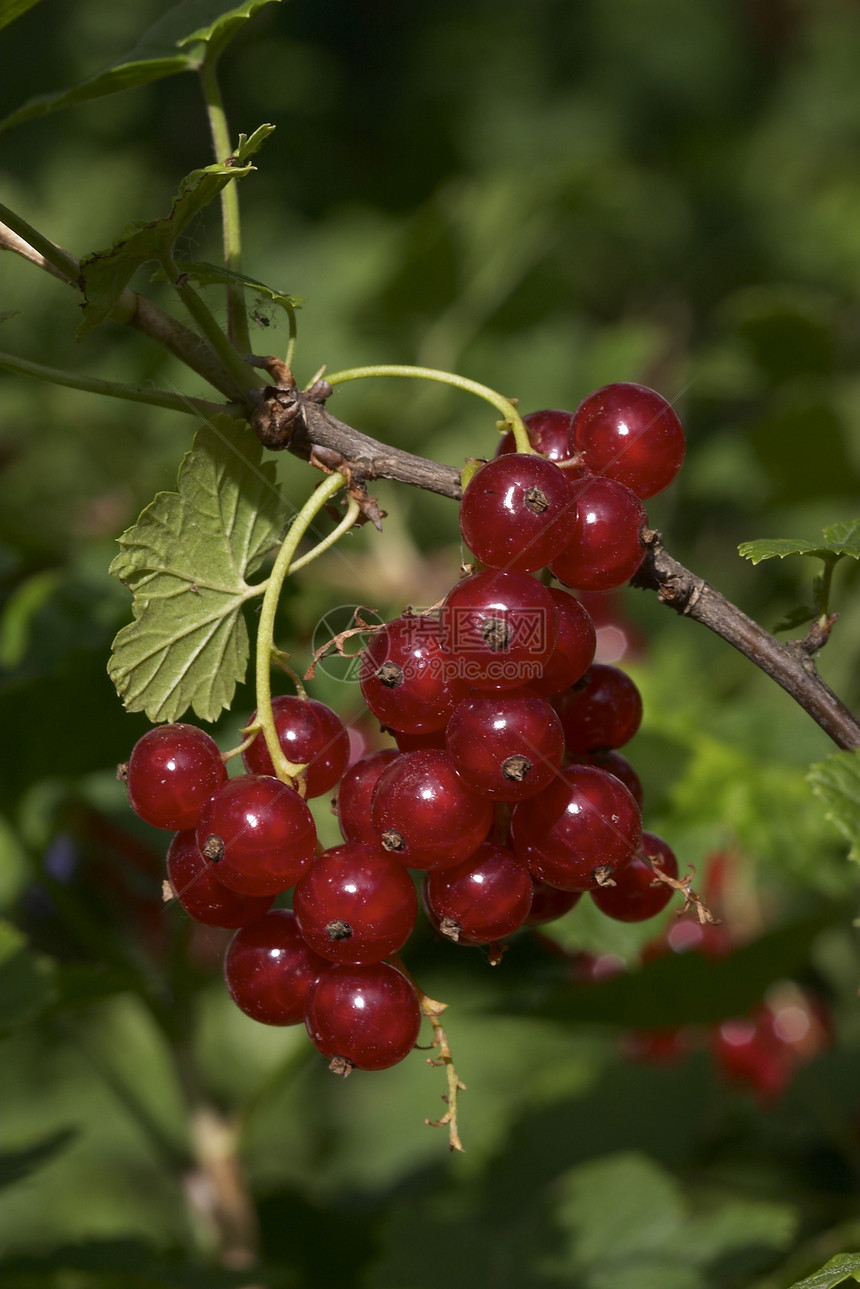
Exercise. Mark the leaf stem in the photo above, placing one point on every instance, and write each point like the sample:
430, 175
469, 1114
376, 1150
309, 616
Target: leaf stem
512, 418
115, 389
237, 316
209, 328
64, 263
283, 565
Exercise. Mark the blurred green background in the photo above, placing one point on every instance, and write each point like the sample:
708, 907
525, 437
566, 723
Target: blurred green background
544, 196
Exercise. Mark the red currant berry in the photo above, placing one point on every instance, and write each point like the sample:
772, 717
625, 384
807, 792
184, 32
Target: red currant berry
615, 763
406, 679
517, 512
269, 969
580, 831
258, 835
425, 814
310, 734
481, 900
638, 894
574, 650
355, 904
630, 434
352, 804
550, 433
748, 1050
507, 744
549, 903
601, 712
202, 897
366, 1017
172, 772
418, 742
606, 546
501, 628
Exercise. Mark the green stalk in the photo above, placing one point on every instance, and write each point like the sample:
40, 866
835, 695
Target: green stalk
284, 769
237, 316
513, 420
66, 265
116, 389
209, 328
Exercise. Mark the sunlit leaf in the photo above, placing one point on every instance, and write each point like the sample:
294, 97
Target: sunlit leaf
839, 539
832, 1273
186, 560
177, 42
105, 274
837, 782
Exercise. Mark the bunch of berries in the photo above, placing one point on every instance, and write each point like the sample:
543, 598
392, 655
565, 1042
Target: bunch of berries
506, 791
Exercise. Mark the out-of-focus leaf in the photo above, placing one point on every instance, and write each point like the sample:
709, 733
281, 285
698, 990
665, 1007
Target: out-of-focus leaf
796, 618
185, 561
837, 782
133, 1264
105, 274
12, 9
677, 989
832, 1273
839, 539
17, 1164
177, 42
27, 980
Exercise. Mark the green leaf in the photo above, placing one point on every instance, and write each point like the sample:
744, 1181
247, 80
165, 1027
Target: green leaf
12, 9
186, 560
27, 980
839, 539
796, 617
213, 275
177, 42
837, 782
676, 989
105, 274
832, 1273
104, 1264
18, 1164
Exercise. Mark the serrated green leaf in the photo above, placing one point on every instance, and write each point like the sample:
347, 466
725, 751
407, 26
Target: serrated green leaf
12, 9
177, 42
837, 782
186, 560
839, 539
105, 274
27, 979
832, 1273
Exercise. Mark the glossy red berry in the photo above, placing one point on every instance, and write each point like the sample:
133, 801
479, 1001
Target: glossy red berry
500, 628
638, 894
366, 1017
549, 903
631, 434
600, 712
258, 835
309, 733
172, 772
574, 648
615, 763
506, 744
202, 897
406, 679
580, 831
481, 900
269, 969
606, 548
517, 512
550, 433
355, 904
352, 804
425, 814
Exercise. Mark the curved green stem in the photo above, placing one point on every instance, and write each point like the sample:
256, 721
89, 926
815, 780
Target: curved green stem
66, 265
283, 565
116, 389
513, 420
237, 316
209, 328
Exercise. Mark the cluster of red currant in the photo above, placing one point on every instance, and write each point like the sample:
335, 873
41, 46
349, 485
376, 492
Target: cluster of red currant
506, 790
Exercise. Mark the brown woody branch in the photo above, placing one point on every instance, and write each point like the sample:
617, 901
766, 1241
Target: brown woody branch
790, 663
